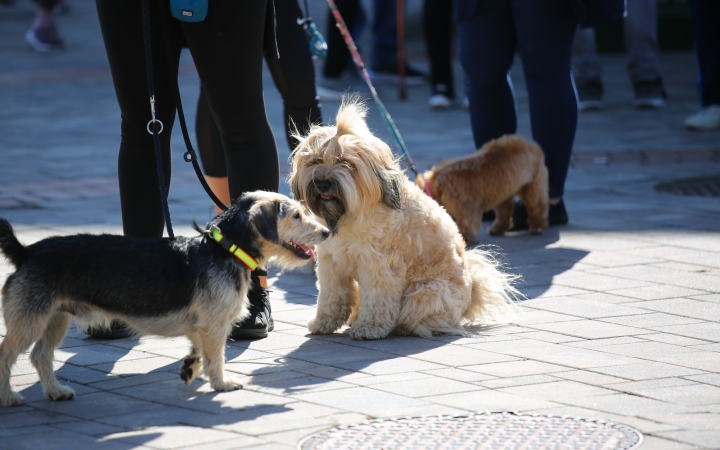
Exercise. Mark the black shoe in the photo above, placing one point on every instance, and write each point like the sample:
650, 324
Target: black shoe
259, 322
590, 95
117, 330
557, 215
649, 94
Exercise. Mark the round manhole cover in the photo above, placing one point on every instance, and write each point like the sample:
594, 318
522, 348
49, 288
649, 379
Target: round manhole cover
697, 187
486, 430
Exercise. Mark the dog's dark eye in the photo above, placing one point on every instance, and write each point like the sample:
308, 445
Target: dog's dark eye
296, 216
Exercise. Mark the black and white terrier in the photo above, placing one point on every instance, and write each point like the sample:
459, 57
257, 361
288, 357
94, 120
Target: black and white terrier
194, 287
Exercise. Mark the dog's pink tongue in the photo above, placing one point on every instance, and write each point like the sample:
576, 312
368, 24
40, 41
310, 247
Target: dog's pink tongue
308, 251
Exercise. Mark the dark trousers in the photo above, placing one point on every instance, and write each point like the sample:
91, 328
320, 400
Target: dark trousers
227, 48
706, 30
438, 30
294, 77
384, 39
542, 30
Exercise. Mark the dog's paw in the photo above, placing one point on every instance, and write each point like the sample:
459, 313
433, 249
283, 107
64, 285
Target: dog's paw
362, 331
190, 369
60, 393
11, 399
497, 230
226, 385
319, 326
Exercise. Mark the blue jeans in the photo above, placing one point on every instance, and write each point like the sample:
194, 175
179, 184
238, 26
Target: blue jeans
384, 42
641, 44
384, 39
543, 31
706, 30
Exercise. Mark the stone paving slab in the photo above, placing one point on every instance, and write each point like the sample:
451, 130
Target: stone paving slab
621, 320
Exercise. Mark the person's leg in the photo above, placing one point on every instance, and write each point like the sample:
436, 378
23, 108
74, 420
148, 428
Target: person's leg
140, 199
438, 30
486, 45
122, 31
641, 43
211, 152
293, 73
384, 55
706, 31
586, 67
545, 30
384, 38
587, 70
228, 55
336, 61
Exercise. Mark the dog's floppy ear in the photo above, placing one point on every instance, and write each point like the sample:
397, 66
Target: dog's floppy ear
389, 187
263, 216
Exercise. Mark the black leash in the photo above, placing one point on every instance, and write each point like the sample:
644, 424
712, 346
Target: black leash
190, 155
155, 126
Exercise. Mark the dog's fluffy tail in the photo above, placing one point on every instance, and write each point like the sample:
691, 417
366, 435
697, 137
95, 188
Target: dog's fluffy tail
493, 293
10, 246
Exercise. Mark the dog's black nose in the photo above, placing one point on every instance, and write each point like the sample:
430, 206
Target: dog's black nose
326, 233
323, 185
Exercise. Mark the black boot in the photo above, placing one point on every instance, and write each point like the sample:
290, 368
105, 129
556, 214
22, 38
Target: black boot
259, 322
557, 215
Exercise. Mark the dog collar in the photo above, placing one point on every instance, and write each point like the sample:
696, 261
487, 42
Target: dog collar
230, 246
427, 189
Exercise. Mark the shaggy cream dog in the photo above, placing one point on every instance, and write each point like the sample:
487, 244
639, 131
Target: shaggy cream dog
395, 261
489, 179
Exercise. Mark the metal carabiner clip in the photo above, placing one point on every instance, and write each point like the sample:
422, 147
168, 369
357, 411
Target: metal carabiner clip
154, 120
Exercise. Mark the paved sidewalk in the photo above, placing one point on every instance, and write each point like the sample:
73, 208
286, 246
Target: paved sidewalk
622, 321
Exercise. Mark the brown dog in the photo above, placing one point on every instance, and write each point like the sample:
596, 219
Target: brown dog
490, 179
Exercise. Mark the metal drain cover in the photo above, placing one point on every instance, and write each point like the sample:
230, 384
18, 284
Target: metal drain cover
697, 187
485, 430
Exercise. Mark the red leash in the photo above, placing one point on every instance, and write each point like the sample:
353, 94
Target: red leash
361, 66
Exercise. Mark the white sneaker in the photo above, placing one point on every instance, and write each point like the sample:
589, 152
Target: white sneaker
706, 119
440, 101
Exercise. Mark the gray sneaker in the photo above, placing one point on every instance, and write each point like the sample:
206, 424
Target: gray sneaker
590, 96
45, 38
649, 94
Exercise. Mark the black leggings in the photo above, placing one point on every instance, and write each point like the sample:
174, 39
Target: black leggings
438, 29
294, 77
338, 56
227, 48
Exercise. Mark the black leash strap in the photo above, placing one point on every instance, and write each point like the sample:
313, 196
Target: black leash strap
190, 155
154, 126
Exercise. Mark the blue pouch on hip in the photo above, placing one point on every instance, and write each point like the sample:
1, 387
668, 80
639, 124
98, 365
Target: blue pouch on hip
318, 46
189, 10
